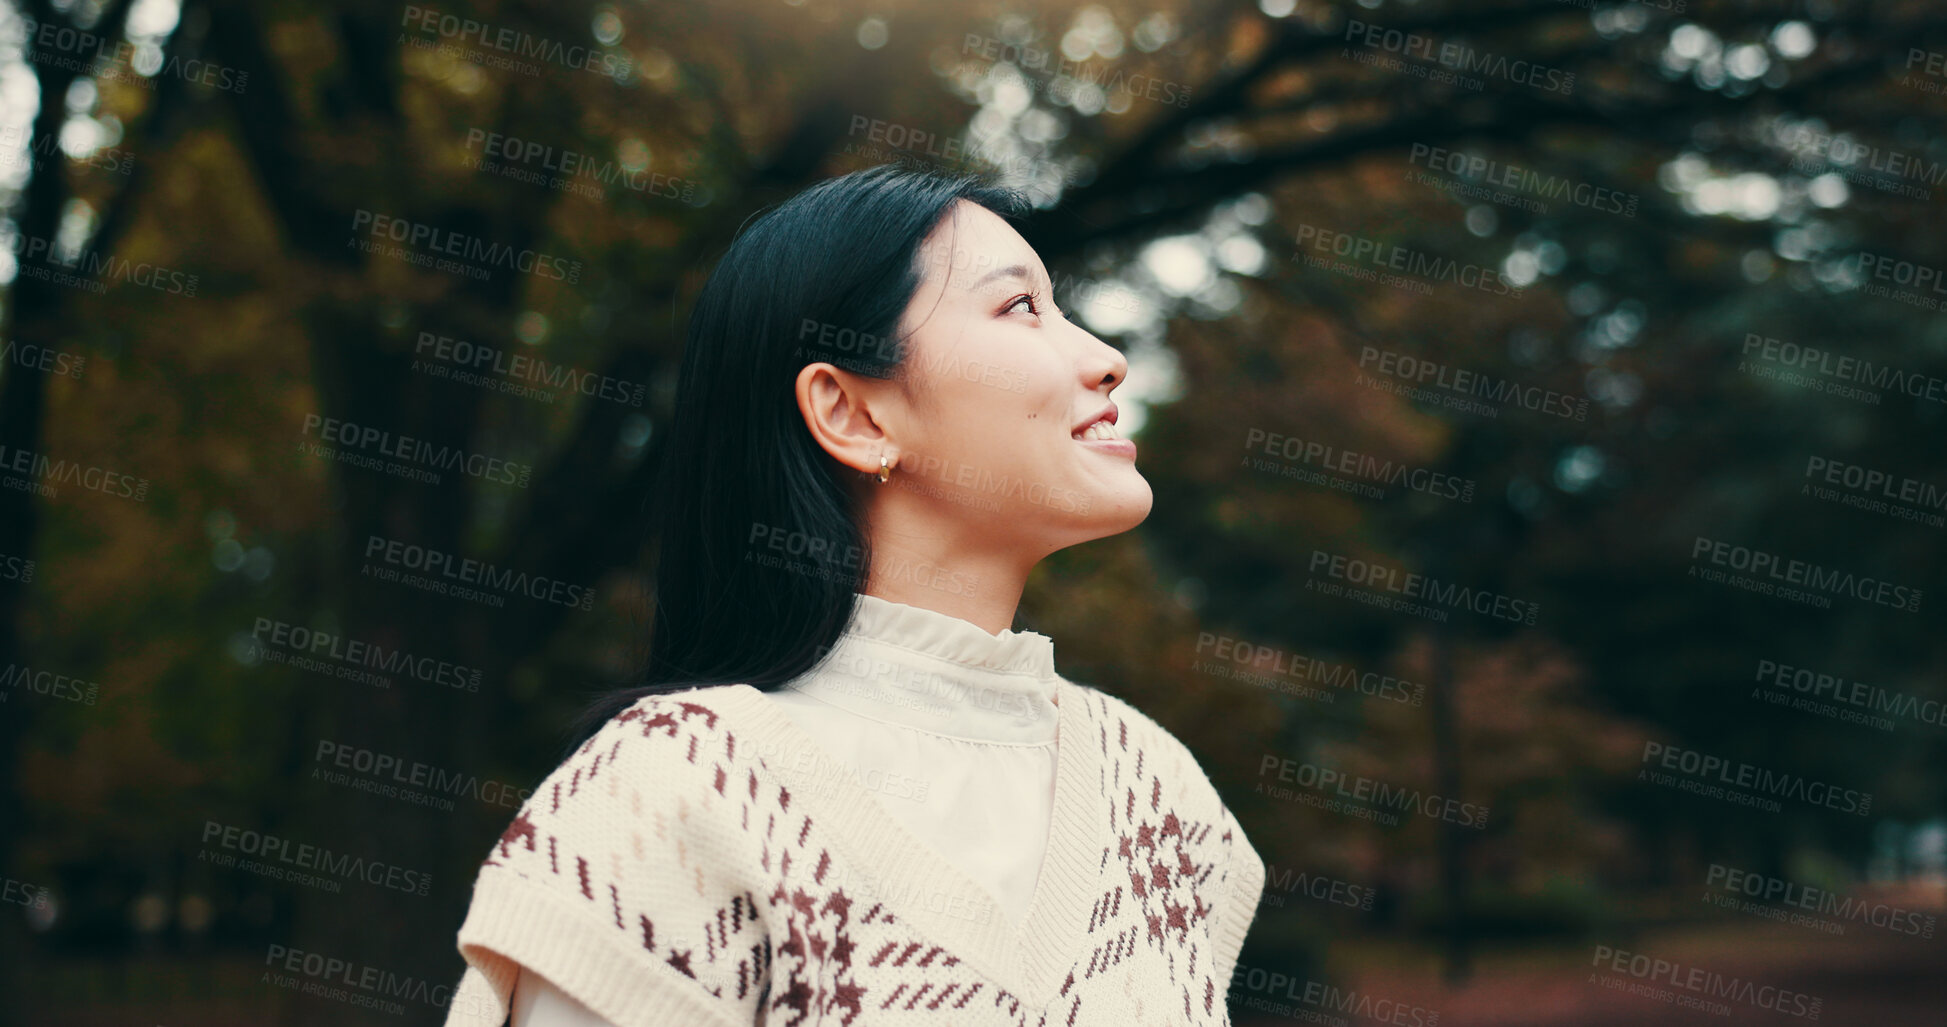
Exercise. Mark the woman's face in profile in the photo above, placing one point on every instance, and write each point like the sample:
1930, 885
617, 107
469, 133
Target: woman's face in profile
1004, 389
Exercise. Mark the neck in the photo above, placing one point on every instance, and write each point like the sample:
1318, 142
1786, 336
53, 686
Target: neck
935, 570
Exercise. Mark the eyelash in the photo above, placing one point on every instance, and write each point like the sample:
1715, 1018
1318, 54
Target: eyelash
1034, 302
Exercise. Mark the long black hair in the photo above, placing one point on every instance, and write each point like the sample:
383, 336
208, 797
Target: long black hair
760, 538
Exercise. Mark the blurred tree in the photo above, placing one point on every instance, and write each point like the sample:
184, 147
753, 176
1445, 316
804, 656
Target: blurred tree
1192, 157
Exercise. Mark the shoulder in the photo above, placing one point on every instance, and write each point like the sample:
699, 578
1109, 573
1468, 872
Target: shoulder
668, 773
670, 716
645, 843
673, 730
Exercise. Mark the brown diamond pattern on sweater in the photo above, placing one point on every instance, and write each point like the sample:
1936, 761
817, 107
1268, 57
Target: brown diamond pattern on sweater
1166, 878
816, 948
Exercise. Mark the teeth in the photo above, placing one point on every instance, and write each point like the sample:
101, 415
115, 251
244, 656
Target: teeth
1099, 430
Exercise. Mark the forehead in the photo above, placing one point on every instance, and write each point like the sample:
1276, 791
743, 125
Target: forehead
972, 242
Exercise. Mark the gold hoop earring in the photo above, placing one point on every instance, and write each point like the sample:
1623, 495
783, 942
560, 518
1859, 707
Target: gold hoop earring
885, 470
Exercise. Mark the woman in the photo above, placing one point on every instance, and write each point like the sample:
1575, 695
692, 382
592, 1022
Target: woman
848, 793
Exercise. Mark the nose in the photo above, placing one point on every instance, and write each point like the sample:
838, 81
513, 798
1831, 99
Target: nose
1102, 364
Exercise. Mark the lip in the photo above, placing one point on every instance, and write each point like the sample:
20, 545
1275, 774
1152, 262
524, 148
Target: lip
1119, 447
1122, 447
1107, 413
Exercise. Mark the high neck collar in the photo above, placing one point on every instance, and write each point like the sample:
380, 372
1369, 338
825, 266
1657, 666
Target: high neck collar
936, 673
949, 638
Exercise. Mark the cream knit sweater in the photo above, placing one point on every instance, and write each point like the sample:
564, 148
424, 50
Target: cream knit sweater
703, 859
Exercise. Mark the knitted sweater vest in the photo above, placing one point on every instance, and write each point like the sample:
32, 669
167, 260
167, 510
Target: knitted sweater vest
688, 865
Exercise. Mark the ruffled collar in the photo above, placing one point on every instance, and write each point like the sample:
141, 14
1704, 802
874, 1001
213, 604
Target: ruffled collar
934, 672
949, 638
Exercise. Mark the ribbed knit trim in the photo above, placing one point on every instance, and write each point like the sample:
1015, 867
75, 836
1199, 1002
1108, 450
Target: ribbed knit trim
1244, 887
950, 638
1065, 894
515, 923
1030, 961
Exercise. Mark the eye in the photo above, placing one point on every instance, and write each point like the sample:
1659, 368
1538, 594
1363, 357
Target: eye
1034, 303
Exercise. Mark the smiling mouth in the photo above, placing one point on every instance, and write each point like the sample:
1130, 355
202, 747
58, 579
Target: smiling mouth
1103, 430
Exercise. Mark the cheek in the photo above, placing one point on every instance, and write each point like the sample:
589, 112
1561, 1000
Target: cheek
1013, 391
1000, 399
1044, 388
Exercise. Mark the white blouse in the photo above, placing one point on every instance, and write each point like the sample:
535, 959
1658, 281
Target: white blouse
951, 726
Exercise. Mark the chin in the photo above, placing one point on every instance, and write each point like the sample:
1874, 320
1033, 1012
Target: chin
1118, 510
1105, 509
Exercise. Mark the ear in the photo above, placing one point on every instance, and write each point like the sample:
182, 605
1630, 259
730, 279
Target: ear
838, 410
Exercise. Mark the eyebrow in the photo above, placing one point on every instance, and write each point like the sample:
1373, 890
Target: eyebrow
1015, 270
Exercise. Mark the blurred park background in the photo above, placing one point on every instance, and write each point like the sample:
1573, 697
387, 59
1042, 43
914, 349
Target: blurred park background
1588, 308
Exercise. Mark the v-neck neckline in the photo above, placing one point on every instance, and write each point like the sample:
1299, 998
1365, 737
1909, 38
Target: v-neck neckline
1029, 959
